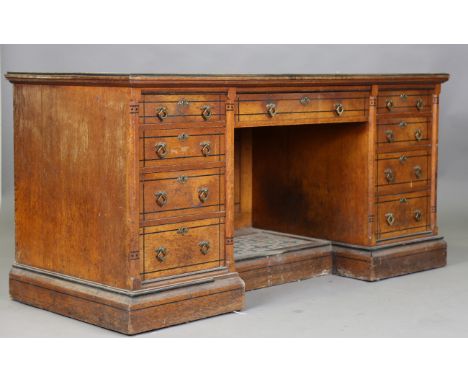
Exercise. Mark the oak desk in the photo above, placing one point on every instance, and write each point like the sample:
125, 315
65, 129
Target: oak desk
144, 201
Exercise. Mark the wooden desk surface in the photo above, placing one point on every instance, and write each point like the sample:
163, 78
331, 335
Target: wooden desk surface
197, 80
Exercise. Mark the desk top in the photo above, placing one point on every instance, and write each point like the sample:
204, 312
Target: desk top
156, 79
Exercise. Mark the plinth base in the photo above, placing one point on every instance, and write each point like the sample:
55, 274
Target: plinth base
381, 262
128, 312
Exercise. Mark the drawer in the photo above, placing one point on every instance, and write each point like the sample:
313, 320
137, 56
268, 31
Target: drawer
167, 109
402, 171
181, 193
172, 147
179, 248
328, 106
404, 130
404, 101
403, 214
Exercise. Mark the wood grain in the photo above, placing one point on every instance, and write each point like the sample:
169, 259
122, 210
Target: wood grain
74, 151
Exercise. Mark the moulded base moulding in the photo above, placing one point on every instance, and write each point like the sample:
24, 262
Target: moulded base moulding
381, 262
132, 312
266, 258
284, 268
128, 312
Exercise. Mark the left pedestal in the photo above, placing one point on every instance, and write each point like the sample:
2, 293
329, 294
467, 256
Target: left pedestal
128, 312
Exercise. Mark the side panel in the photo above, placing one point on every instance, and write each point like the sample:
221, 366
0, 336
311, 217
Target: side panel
74, 181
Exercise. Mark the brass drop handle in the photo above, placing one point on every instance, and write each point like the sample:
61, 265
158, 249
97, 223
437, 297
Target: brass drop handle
418, 135
161, 113
205, 148
390, 218
403, 124
161, 254
203, 194
389, 104
389, 175
204, 247
403, 96
403, 159
271, 109
417, 172
419, 104
206, 112
161, 149
161, 198
390, 136
339, 109
417, 215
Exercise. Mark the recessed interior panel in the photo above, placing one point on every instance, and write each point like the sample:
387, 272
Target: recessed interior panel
308, 180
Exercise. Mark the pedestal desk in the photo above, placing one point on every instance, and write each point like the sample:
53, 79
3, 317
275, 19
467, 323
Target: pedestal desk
144, 201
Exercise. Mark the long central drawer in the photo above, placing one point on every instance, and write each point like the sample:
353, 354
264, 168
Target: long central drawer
327, 106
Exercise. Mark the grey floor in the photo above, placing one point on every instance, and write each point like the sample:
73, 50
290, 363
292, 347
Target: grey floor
427, 304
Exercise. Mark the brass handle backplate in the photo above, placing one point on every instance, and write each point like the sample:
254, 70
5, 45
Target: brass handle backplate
205, 148
161, 149
183, 137
304, 100
417, 215
390, 136
204, 247
418, 135
271, 109
183, 102
203, 194
403, 96
206, 112
419, 104
161, 198
339, 109
182, 230
389, 175
390, 218
403, 124
161, 254
417, 172
161, 113
389, 104
403, 158
182, 179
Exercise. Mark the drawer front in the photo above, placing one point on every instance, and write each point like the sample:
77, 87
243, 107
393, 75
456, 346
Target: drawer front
404, 130
178, 248
294, 106
404, 101
164, 148
167, 109
181, 193
402, 171
402, 214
